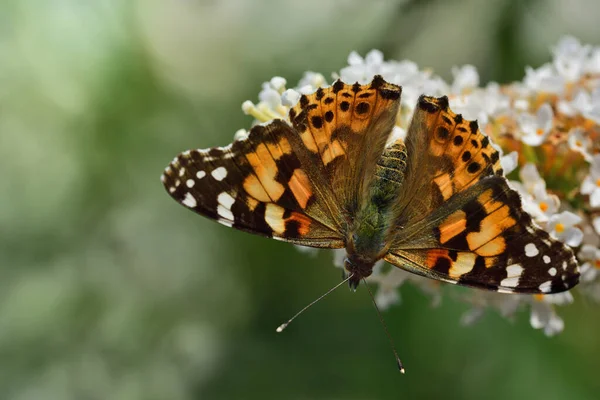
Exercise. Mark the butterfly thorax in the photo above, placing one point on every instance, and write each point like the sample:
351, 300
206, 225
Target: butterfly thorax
369, 238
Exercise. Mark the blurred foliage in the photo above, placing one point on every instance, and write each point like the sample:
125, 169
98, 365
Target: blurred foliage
110, 290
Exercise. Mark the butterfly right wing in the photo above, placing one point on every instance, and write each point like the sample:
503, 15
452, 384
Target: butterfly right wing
259, 185
458, 219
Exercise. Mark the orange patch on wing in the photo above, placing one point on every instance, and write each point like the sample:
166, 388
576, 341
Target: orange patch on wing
300, 187
491, 226
266, 170
253, 187
309, 141
433, 255
280, 149
303, 222
445, 184
252, 203
494, 247
274, 217
452, 226
335, 150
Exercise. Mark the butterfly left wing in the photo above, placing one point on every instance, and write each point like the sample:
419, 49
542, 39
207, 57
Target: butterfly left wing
460, 222
256, 184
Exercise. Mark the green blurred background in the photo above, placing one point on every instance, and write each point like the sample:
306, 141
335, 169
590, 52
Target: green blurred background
110, 290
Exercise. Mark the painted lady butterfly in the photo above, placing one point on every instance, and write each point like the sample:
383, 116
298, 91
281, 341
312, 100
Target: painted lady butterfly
435, 204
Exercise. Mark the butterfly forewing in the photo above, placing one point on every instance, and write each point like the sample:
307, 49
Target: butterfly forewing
345, 129
256, 184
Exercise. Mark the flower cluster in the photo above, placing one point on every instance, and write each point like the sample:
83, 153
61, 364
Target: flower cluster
547, 128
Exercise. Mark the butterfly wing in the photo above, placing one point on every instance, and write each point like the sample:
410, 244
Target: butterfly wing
462, 223
296, 183
256, 184
345, 129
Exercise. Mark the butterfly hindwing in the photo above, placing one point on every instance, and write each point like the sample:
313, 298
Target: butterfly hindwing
465, 225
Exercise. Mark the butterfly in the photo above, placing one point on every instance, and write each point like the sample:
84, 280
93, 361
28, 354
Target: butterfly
435, 204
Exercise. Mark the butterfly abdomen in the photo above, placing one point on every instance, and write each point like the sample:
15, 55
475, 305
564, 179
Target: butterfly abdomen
373, 221
389, 175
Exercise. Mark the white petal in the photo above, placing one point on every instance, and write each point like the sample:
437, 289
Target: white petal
573, 237
290, 98
569, 219
595, 198
596, 223
544, 117
509, 162
374, 57
588, 185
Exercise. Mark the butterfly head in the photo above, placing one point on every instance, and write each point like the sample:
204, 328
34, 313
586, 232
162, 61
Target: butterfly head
359, 269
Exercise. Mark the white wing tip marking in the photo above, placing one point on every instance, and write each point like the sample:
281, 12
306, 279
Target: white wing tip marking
189, 200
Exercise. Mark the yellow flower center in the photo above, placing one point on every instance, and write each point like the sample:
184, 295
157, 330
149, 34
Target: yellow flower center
598, 182
578, 143
538, 297
539, 132
597, 263
543, 206
559, 228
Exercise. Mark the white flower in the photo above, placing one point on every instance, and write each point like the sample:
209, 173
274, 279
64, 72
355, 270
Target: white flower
311, 251
270, 104
562, 227
584, 103
596, 223
591, 183
240, 134
544, 79
580, 142
397, 133
310, 82
544, 317
362, 70
290, 98
465, 78
535, 199
388, 284
592, 65
536, 128
481, 104
570, 58
590, 255
509, 162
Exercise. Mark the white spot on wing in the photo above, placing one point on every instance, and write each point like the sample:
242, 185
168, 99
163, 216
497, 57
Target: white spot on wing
546, 259
564, 265
189, 200
171, 189
531, 250
513, 273
510, 282
226, 200
224, 208
190, 183
546, 287
552, 271
200, 174
219, 173
181, 171
225, 222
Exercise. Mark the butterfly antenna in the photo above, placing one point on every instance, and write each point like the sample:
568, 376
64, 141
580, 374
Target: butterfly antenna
281, 327
387, 333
